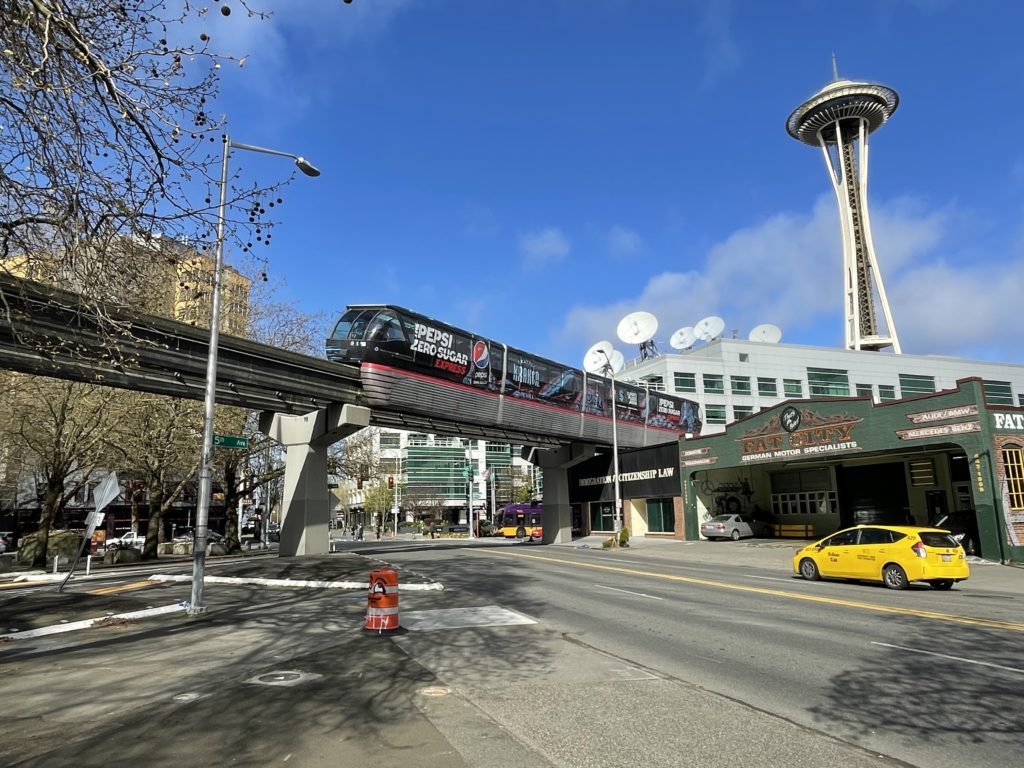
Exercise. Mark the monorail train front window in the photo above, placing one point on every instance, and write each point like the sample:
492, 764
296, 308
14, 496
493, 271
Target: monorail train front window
385, 327
352, 324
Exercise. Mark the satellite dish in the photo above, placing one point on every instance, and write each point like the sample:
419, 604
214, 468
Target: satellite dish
598, 357
709, 328
766, 332
637, 327
683, 338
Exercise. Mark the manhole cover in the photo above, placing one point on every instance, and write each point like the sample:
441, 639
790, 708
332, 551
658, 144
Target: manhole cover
279, 677
283, 677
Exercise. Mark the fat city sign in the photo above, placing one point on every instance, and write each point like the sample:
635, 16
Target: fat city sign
797, 432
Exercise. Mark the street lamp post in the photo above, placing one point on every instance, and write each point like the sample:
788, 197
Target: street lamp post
470, 475
615, 451
602, 358
196, 605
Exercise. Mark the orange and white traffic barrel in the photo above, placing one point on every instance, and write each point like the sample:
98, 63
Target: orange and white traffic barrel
382, 602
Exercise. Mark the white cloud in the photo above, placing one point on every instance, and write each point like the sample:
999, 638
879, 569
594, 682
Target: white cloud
787, 270
545, 246
623, 241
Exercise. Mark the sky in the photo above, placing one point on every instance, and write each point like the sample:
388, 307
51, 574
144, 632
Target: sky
534, 170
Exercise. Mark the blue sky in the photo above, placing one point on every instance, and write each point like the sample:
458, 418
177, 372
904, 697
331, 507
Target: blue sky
533, 170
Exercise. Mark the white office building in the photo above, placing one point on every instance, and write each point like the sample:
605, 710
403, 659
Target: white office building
734, 378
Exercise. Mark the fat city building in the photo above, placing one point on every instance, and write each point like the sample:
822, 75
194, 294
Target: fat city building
819, 465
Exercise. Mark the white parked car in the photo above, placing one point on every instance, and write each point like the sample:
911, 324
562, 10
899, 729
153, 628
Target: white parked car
733, 527
127, 539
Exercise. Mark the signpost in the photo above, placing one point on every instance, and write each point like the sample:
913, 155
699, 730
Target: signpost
102, 495
230, 441
469, 472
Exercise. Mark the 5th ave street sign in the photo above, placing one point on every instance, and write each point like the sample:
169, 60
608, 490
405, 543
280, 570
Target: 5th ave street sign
230, 441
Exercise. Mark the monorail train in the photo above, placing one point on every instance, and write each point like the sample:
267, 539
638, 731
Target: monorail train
415, 365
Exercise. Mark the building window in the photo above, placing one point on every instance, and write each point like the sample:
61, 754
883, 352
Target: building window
998, 392
863, 390
805, 503
714, 414
742, 411
685, 382
744, 357
793, 387
886, 393
714, 384
390, 440
828, 382
767, 387
740, 385
1013, 461
913, 384
661, 516
922, 472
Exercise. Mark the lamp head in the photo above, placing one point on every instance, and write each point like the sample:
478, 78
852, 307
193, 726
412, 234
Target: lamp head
306, 167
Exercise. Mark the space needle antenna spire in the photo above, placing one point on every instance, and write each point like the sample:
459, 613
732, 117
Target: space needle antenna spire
838, 119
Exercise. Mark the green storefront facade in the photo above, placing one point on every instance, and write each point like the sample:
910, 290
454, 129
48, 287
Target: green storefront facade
811, 467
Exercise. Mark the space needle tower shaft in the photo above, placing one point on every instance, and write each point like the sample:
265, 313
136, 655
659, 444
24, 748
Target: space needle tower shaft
838, 119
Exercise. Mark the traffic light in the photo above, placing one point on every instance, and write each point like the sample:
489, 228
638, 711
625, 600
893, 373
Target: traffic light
391, 482
359, 483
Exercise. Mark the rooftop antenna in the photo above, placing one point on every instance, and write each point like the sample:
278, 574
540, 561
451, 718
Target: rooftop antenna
639, 328
835, 68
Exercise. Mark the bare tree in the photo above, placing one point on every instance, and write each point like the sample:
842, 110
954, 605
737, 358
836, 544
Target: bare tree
62, 432
423, 501
107, 133
154, 439
358, 457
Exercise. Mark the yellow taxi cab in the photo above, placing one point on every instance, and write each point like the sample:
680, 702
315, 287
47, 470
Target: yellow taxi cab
892, 554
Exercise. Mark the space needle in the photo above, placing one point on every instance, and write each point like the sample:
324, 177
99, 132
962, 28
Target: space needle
838, 118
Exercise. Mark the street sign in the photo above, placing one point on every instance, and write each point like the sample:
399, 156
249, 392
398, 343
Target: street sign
230, 441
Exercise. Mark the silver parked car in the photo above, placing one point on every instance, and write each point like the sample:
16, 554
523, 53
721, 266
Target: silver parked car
733, 527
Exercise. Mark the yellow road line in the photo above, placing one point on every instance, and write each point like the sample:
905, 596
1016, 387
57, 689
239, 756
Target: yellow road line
1012, 626
122, 587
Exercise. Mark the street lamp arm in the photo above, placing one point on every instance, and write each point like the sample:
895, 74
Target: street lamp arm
304, 165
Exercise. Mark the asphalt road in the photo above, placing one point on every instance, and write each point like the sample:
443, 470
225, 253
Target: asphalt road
530, 656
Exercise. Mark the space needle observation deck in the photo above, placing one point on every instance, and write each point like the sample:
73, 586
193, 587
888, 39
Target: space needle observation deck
838, 118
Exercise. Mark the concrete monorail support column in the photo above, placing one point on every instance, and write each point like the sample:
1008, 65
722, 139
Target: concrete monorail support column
556, 463
305, 508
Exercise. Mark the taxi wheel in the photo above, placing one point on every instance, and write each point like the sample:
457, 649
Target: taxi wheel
894, 577
809, 569
942, 584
